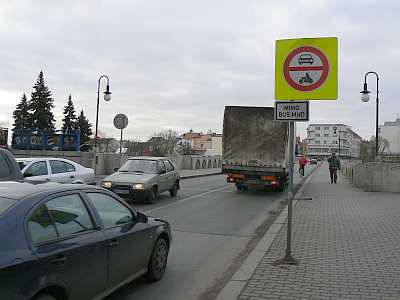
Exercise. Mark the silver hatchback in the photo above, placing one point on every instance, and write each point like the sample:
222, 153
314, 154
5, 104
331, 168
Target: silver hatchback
144, 178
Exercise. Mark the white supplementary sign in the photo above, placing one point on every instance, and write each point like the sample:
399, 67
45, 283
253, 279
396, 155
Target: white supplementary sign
291, 111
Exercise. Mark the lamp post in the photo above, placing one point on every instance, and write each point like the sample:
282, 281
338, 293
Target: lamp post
334, 132
107, 97
365, 98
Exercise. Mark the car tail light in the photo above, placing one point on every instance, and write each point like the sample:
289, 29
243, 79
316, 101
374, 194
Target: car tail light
230, 179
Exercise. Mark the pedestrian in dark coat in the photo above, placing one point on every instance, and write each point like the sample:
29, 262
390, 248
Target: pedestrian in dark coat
334, 165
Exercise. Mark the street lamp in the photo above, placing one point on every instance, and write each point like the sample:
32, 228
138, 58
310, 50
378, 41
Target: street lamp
334, 132
107, 97
365, 98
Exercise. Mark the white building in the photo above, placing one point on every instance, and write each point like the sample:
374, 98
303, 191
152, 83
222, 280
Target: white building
323, 139
391, 132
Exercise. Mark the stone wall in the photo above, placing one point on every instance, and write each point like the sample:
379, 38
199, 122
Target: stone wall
107, 162
374, 176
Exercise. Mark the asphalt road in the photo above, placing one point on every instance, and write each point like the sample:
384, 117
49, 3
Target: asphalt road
213, 226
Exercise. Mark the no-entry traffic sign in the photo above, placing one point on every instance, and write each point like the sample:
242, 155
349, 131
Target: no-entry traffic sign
306, 69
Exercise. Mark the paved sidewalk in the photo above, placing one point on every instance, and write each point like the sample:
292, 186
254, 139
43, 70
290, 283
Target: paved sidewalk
347, 242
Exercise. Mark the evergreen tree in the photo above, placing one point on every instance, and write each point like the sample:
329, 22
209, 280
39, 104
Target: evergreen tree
85, 127
41, 104
69, 120
21, 115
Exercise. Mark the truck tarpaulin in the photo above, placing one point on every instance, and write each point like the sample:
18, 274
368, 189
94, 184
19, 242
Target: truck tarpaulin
251, 137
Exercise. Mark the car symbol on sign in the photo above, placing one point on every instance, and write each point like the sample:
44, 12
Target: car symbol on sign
305, 59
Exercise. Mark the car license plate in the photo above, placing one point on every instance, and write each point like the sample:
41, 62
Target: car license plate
122, 192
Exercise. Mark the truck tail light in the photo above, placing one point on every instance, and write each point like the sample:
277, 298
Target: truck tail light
268, 178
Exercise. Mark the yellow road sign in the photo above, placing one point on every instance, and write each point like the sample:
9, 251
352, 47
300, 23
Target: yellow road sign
306, 69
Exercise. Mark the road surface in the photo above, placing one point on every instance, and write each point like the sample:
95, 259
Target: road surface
214, 228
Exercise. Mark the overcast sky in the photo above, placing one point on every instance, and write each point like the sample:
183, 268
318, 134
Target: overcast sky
177, 63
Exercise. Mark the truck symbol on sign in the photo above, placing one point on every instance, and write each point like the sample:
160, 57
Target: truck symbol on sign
305, 59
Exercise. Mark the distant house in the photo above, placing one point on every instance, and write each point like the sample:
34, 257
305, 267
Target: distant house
204, 143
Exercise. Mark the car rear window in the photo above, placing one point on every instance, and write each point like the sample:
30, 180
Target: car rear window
5, 203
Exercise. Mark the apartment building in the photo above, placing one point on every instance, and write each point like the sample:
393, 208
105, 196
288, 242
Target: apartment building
323, 139
391, 132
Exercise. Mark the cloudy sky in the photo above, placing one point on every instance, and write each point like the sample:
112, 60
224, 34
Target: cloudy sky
177, 63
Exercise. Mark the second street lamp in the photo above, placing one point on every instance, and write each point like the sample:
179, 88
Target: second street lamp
365, 98
107, 97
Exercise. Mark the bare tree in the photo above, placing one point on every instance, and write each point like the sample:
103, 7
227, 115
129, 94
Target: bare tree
135, 147
163, 143
368, 148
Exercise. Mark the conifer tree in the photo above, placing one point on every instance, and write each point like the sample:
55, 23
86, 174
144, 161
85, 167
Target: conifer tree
85, 128
21, 115
69, 120
41, 104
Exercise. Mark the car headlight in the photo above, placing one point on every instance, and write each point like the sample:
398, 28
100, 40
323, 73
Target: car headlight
137, 186
106, 184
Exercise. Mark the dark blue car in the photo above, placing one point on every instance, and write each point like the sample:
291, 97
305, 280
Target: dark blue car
74, 242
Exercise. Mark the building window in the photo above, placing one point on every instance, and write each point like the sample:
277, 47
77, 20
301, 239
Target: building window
324, 142
326, 134
317, 128
317, 134
326, 128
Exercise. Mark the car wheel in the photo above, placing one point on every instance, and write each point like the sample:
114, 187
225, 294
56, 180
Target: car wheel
158, 261
152, 195
45, 297
174, 191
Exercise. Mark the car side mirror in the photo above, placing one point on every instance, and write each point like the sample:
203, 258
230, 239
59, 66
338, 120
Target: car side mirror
116, 169
27, 174
141, 217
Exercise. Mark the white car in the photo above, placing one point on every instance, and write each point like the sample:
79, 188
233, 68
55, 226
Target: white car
55, 170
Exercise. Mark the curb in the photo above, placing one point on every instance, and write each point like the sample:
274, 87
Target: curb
199, 175
237, 283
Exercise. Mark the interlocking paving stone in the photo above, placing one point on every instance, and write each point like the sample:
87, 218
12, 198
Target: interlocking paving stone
347, 242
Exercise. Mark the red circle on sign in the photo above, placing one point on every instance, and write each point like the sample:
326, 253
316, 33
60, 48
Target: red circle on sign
324, 68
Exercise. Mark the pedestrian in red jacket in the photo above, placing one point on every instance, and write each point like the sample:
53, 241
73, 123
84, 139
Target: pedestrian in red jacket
302, 163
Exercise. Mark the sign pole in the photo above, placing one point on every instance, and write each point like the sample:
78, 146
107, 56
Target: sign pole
288, 258
120, 149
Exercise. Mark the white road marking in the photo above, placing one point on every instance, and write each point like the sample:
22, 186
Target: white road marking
188, 198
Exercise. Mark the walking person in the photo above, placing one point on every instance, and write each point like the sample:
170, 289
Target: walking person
334, 165
302, 163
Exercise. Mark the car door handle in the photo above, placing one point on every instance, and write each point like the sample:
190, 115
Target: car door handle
59, 260
72, 176
114, 243
47, 179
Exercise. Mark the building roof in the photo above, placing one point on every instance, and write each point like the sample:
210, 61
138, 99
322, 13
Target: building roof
395, 123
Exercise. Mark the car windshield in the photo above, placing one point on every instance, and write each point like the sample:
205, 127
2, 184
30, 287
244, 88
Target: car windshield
5, 203
140, 166
22, 163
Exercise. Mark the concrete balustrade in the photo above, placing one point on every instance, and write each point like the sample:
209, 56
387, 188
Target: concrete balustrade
374, 176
